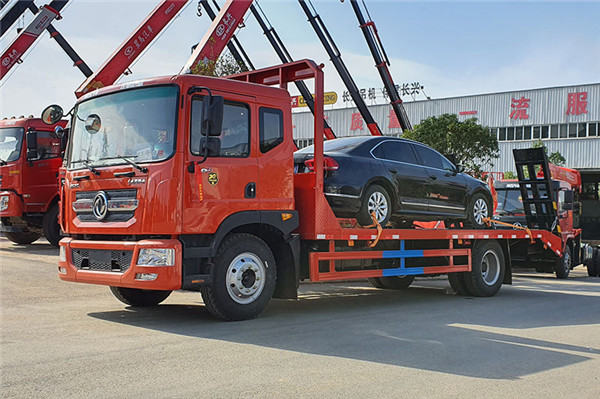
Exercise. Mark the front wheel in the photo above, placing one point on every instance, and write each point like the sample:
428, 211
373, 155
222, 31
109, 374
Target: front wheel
479, 209
487, 269
51, 226
139, 298
562, 267
375, 200
244, 278
22, 238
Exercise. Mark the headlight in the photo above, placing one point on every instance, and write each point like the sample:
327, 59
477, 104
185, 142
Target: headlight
156, 257
62, 253
4, 202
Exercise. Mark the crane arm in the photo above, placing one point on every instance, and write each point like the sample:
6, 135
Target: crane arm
218, 35
132, 47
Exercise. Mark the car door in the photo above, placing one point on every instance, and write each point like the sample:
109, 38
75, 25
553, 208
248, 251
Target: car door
41, 173
447, 189
409, 178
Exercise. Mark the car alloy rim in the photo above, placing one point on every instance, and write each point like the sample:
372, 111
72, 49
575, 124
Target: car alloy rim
379, 205
490, 268
480, 210
246, 278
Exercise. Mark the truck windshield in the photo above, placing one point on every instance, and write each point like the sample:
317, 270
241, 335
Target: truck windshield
10, 143
509, 202
136, 124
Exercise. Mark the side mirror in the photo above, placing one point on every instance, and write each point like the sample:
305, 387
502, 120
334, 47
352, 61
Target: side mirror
212, 115
52, 114
567, 206
32, 148
568, 197
210, 146
459, 168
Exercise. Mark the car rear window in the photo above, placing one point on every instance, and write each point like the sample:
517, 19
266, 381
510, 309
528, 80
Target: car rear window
429, 157
398, 151
336, 145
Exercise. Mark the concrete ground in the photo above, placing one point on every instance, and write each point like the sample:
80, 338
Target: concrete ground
539, 338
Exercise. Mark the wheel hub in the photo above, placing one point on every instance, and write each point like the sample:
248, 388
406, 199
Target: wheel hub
379, 205
480, 210
245, 278
490, 268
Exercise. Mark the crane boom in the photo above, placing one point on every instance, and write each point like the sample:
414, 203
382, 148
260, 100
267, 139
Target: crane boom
218, 35
26, 38
336, 59
382, 62
13, 14
132, 47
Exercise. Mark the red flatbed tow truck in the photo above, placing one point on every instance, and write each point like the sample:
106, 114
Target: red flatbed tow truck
174, 203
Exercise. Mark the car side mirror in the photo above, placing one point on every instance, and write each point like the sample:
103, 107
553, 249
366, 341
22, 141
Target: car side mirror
459, 168
212, 115
569, 197
32, 148
210, 146
52, 114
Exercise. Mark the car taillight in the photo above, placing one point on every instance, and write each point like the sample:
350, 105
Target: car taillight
328, 164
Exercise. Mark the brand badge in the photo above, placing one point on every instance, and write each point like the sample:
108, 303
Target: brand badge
100, 205
213, 179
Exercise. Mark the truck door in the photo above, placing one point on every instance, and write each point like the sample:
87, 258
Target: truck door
40, 176
222, 185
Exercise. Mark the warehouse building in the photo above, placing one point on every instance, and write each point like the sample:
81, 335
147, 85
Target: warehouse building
566, 119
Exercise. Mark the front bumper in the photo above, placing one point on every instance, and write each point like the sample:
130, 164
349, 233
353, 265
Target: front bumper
113, 263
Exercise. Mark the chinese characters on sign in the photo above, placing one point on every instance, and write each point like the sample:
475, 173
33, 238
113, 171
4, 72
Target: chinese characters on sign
406, 89
519, 106
357, 122
577, 103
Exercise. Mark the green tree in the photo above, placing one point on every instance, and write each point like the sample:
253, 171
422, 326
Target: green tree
471, 144
556, 157
510, 175
225, 65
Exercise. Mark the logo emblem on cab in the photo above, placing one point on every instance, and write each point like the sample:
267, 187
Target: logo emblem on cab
100, 205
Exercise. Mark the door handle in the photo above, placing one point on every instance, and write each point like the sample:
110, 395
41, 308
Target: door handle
433, 177
250, 190
393, 171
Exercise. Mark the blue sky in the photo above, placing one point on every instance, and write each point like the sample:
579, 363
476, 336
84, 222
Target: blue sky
452, 48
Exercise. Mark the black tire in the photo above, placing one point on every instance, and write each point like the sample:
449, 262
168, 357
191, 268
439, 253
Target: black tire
563, 265
487, 269
21, 238
376, 282
375, 198
590, 264
246, 260
479, 208
458, 284
397, 282
51, 226
139, 298
596, 261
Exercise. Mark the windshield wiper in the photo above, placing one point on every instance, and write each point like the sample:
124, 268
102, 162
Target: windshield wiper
87, 165
129, 161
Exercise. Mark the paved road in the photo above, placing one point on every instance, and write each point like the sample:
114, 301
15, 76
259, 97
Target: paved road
539, 338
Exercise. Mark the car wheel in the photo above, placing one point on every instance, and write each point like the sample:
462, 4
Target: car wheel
562, 267
376, 199
376, 282
51, 226
479, 209
397, 282
21, 238
487, 269
139, 298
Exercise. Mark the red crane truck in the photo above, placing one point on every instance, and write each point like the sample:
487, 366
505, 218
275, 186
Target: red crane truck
30, 156
187, 182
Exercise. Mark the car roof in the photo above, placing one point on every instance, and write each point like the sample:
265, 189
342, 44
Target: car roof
349, 143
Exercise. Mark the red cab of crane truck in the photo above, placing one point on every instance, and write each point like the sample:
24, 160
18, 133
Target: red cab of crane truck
30, 158
566, 184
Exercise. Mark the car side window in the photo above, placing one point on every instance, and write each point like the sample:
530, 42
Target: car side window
447, 165
271, 128
396, 151
48, 145
235, 133
429, 157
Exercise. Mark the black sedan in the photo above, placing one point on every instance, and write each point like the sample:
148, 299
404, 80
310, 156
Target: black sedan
400, 180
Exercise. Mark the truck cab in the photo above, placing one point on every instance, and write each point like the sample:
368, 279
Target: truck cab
30, 157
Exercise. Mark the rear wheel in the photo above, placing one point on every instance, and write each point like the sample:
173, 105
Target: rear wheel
51, 226
244, 278
139, 298
376, 199
479, 209
21, 238
591, 265
376, 282
563, 264
596, 261
458, 284
487, 269
397, 282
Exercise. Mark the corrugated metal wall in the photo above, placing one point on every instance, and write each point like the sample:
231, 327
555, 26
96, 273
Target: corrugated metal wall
545, 106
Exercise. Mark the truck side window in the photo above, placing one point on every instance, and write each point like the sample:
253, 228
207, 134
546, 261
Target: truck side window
271, 128
48, 145
235, 133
